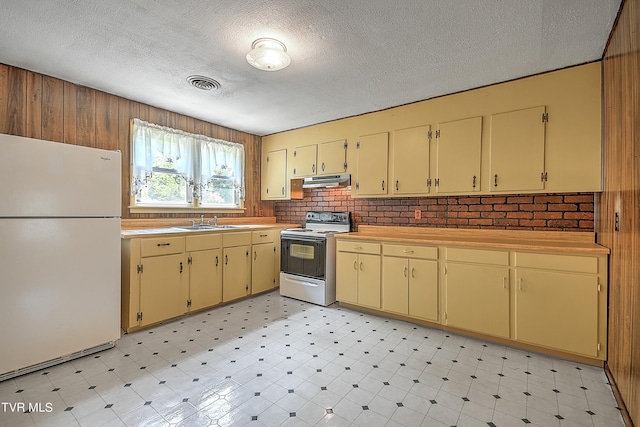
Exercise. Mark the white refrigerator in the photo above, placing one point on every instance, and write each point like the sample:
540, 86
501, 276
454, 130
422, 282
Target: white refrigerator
59, 252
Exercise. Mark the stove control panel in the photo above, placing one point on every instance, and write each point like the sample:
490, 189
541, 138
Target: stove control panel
329, 217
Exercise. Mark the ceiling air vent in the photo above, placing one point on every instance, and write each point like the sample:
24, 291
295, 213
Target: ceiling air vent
204, 83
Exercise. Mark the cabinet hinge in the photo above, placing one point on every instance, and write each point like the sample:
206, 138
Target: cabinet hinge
139, 317
267, 159
545, 117
140, 268
358, 145
437, 182
357, 185
438, 133
428, 182
346, 144
189, 260
429, 135
543, 176
188, 303
345, 166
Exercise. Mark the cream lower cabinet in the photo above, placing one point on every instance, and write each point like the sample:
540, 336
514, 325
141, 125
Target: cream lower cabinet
477, 291
410, 280
163, 279
358, 273
558, 302
205, 270
236, 271
265, 258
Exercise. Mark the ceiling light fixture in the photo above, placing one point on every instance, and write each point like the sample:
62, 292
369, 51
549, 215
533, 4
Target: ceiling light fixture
268, 55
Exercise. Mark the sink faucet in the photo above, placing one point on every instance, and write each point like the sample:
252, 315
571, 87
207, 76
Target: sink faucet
215, 220
201, 219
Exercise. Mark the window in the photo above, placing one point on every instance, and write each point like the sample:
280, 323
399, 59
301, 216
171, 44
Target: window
172, 168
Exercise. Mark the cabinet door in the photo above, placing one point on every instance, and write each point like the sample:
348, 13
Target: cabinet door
274, 175
205, 278
369, 280
517, 150
332, 157
477, 298
395, 285
347, 277
423, 289
162, 288
263, 273
372, 154
236, 273
411, 160
458, 156
558, 310
304, 161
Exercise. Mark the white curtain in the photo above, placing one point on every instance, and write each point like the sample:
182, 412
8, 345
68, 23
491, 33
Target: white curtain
196, 157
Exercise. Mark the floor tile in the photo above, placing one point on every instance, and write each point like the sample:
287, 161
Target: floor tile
274, 361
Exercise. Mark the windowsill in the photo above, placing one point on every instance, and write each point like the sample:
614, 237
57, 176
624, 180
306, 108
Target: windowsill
183, 209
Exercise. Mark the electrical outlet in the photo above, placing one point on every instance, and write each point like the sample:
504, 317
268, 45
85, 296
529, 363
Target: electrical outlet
418, 214
260, 212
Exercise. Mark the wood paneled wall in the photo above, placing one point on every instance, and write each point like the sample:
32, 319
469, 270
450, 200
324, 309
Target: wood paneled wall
39, 106
621, 68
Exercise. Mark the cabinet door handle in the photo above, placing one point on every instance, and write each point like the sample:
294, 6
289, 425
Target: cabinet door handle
355, 265
282, 190
322, 166
361, 269
474, 181
495, 180
383, 185
396, 185
216, 260
163, 244
520, 285
504, 283
255, 255
313, 168
413, 272
405, 271
180, 268
226, 259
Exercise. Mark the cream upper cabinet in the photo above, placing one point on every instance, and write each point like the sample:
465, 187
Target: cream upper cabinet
410, 167
372, 152
304, 161
274, 175
477, 291
517, 150
332, 157
459, 146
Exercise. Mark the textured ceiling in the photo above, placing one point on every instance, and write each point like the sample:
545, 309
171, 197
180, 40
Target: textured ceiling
348, 57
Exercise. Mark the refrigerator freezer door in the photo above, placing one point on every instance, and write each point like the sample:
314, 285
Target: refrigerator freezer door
60, 283
50, 179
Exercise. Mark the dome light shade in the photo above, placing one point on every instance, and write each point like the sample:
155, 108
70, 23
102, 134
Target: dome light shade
268, 55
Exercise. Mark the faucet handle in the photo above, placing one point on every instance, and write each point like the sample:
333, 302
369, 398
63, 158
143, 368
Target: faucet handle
193, 222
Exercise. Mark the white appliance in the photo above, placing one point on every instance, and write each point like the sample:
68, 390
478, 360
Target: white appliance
59, 252
308, 257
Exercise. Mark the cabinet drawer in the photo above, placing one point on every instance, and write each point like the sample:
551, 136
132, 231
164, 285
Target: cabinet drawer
478, 256
359, 247
578, 264
203, 242
161, 246
236, 239
263, 236
409, 251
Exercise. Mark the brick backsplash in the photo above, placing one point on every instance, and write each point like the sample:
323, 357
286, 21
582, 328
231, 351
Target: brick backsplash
557, 212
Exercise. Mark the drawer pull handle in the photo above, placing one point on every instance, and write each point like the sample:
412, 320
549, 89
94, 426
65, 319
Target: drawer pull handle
263, 235
405, 271
163, 244
407, 251
358, 248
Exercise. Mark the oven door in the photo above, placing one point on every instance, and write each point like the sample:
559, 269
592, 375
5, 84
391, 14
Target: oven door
303, 256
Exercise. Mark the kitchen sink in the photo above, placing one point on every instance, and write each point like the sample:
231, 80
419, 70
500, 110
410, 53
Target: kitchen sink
196, 227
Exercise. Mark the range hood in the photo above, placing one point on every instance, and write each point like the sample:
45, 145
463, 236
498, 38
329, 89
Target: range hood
327, 181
